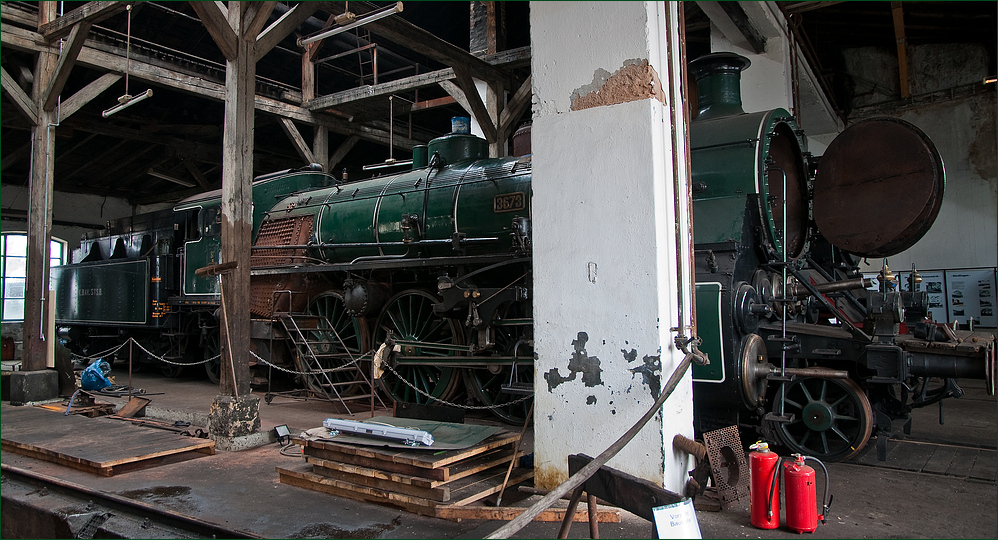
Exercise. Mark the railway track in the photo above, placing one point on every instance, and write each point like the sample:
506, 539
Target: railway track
42, 506
948, 459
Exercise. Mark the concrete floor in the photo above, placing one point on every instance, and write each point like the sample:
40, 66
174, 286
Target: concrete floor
872, 499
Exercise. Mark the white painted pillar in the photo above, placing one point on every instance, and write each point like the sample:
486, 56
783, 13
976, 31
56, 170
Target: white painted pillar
605, 234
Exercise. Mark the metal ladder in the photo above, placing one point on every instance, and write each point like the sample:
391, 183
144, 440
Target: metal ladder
308, 359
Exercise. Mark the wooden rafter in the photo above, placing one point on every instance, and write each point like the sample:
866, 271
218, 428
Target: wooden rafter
90, 13
216, 21
77, 36
279, 29
18, 97
302, 147
87, 94
478, 107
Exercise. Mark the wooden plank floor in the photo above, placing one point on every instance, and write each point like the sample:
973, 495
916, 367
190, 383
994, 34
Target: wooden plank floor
99, 445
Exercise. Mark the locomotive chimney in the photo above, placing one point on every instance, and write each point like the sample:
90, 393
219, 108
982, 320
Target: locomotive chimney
718, 77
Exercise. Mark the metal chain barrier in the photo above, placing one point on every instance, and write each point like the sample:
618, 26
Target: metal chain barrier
307, 373
161, 359
113, 350
458, 405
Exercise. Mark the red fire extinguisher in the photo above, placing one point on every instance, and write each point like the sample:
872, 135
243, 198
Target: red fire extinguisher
764, 487
799, 484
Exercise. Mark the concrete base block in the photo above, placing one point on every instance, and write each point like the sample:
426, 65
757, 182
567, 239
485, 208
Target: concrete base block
33, 386
234, 421
234, 444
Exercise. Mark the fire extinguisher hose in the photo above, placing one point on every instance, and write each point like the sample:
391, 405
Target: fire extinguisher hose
826, 501
777, 471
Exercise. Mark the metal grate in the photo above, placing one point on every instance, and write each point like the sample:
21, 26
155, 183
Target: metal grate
727, 462
90, 527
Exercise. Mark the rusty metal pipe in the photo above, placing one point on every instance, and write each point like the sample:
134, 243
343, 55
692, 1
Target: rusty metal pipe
836, 286
817, 372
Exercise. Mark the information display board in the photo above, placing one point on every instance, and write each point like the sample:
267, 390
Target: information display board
971, 295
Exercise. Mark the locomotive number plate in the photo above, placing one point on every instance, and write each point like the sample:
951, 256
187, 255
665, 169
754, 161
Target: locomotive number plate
508, 202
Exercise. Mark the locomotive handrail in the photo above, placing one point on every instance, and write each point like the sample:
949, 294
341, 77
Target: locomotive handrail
388, 264
325, 245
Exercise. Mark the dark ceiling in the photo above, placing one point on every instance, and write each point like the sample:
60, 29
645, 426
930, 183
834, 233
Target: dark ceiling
177, 134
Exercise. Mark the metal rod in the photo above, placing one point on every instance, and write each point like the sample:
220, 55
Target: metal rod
516, 450
586, 472
397, 8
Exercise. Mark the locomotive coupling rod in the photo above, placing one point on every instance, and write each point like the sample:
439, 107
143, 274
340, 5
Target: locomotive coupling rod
217, 269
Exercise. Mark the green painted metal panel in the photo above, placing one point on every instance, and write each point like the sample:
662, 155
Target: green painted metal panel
106, 292
203, 252
709, 330
478, 199
728, 158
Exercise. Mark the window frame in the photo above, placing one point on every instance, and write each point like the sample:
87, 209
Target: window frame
55, 244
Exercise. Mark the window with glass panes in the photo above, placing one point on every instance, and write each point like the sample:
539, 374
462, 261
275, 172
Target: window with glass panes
13, 270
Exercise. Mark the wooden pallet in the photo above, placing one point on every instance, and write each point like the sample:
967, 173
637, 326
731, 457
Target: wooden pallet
98, 445
416, 480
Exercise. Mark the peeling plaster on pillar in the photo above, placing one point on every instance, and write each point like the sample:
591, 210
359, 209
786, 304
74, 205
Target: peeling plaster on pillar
580, 362
635, 80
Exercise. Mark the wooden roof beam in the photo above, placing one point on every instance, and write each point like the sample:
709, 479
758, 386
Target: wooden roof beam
214, 16
77, 36
18, 97
90, 13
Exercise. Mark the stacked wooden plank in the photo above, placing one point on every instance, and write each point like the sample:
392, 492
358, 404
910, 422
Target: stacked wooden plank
98, 445
417, 480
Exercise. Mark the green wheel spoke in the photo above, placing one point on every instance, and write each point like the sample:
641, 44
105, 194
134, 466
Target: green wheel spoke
803, 388
794, 403
837, 401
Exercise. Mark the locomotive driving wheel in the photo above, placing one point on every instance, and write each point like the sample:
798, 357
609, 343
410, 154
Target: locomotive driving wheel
503, 386
832, 418
409, 317
212, 349
336, 341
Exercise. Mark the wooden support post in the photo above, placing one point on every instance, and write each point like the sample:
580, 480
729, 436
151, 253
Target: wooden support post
237, 209
40, 207
566, 524
593, 521
902, 43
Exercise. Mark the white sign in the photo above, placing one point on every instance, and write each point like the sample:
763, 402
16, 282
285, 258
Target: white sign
971, 295
677, 520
